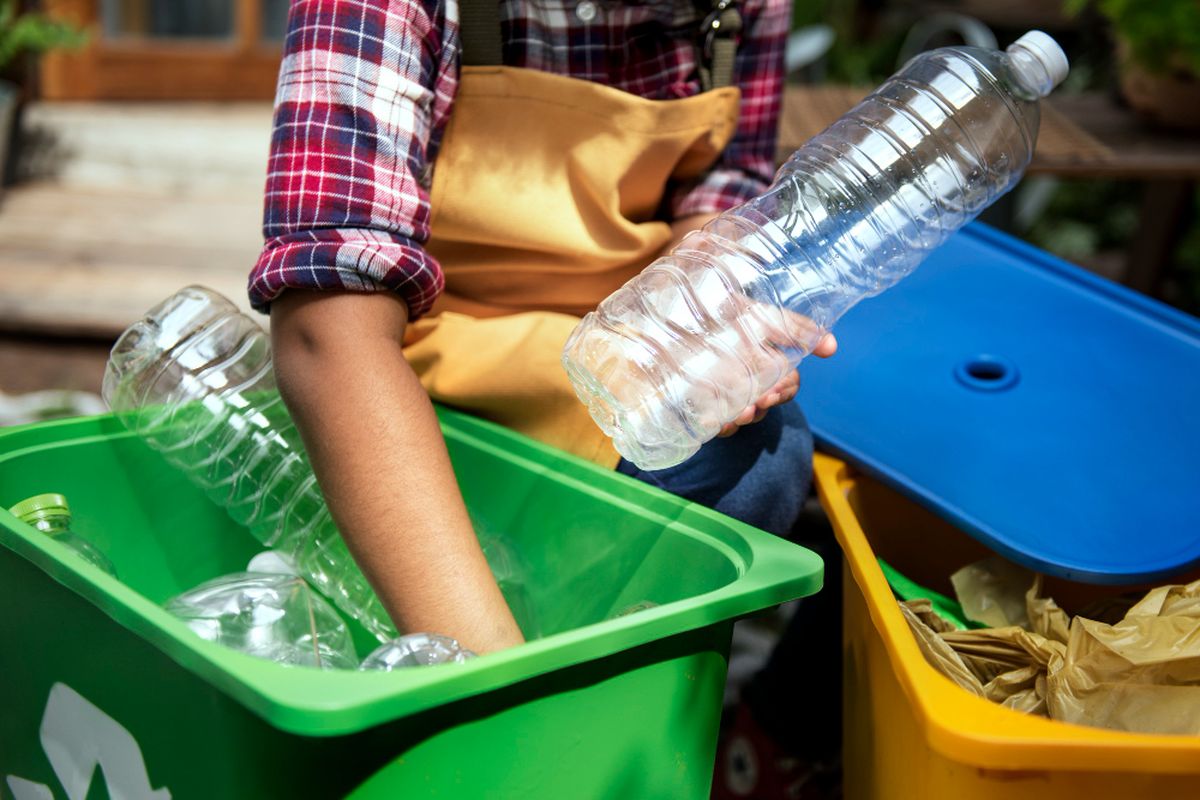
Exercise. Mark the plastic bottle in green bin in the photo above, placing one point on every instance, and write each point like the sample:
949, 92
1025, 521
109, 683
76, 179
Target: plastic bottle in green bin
272, 616
416, 650
51, 515
193, 378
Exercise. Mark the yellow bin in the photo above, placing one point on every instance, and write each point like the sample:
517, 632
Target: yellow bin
912, 733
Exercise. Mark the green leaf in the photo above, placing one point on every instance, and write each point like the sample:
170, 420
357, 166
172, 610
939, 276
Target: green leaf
1162, 36
33, 34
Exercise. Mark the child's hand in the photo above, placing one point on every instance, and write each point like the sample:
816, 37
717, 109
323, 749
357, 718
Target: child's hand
781, 392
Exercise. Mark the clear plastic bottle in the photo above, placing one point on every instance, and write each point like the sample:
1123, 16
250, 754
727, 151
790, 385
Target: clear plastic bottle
665, 361
273, 616
193, 378
416, 650
51, 515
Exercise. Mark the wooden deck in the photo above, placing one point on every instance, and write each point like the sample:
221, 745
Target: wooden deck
123, 205
87, 262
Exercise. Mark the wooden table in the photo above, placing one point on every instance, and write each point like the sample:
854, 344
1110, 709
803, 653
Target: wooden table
1083, 136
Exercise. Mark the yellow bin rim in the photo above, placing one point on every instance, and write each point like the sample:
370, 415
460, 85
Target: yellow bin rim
969, 729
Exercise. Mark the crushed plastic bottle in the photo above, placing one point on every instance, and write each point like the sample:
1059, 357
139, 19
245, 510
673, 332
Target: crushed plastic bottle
193, 378
680, 350
416, 650
51, 515
273, 616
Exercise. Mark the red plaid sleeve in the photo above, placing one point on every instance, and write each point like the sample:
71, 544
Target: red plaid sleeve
364, 91
747, 165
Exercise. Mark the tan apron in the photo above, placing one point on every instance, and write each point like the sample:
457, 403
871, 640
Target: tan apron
543, 203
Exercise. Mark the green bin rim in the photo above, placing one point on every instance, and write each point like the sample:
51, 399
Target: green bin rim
312, 702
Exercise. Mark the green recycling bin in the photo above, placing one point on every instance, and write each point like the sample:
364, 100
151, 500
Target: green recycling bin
102, 688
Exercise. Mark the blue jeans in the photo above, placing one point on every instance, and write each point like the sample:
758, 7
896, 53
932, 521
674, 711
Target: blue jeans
760, 475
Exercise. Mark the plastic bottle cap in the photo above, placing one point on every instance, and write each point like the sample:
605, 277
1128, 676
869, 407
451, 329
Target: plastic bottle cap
272, 562
1047, 51
40, 503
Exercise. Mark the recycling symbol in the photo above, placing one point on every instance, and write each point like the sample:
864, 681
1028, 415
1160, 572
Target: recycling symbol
80, 740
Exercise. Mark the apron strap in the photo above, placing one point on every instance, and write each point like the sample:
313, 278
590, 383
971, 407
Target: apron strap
482, 46
719, 44
479, 30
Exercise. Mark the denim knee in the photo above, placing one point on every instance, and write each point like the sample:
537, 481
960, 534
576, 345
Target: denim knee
760, 475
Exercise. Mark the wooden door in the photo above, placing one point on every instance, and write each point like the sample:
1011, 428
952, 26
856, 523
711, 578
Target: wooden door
168, 50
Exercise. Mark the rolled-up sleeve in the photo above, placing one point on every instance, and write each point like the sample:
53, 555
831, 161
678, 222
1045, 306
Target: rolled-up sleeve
747, 164
364, 90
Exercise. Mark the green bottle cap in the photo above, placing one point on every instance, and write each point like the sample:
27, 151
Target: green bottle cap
40, 505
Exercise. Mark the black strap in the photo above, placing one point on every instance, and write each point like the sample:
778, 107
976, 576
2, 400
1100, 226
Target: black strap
718, 44
482, 46
479, 30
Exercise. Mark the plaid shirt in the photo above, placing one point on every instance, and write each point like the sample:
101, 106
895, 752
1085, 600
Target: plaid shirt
366, 88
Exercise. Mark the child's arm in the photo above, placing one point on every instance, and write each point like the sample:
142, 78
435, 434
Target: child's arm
375, 445
346, 216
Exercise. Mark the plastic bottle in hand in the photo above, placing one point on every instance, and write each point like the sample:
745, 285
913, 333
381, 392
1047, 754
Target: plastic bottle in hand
273, 616
194, 379
665, 361
51, 515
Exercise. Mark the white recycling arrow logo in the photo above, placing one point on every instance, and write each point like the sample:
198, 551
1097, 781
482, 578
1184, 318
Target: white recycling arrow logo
78, 738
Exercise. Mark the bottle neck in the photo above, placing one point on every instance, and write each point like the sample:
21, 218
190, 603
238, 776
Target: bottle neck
1030, 71
1038, 63
53, 524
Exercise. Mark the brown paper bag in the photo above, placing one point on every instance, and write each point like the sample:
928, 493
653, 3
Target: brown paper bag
1005, 665
1141, 673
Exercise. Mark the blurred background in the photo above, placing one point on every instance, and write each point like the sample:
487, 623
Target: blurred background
136, 136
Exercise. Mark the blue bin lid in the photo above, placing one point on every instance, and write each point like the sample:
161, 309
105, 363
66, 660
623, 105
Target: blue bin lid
1051, 414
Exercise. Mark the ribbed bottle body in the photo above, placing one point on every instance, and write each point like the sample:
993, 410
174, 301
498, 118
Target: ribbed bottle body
703, 332
194, 380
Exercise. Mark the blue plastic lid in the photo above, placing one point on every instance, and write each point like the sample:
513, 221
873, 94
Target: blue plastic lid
1052, 414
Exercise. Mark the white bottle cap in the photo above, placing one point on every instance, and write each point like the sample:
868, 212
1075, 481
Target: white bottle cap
273, 562
1046, 50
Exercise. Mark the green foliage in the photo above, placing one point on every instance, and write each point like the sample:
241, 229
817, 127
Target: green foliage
1089, 218
1162, 35
29, 33
1086, 217
1187, 264
866, 46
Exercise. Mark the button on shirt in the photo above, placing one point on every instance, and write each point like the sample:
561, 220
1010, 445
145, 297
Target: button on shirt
366, 88
586, 11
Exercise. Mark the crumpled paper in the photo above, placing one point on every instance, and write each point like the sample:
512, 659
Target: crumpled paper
992, 591
1140, 673
1006, 665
